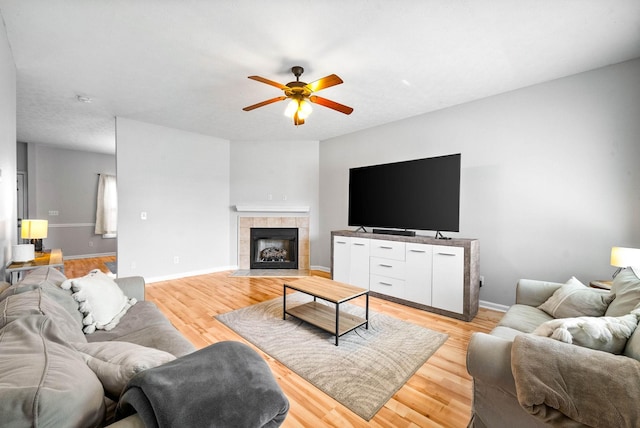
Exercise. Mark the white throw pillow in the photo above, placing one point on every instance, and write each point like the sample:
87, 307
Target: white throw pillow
608, 334
100, 300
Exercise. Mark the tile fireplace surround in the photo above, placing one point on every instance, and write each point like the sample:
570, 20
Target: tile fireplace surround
246, 223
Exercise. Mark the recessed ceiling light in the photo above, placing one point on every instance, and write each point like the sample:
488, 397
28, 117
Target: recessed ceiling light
83, 99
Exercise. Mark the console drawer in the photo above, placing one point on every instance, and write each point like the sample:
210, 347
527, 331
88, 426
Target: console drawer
387, 249
389, 286
387, 267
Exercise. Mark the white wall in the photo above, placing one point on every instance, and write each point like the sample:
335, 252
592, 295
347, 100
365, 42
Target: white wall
8, 225
549, 182
286, 171
66, 181
181, 180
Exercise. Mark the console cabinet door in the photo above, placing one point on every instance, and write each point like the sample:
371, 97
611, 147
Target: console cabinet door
351, 260
341, 258
448, 278
419, 259
359, 270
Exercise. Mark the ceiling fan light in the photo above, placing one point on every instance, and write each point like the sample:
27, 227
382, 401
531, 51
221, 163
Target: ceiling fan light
291, 109
305, 109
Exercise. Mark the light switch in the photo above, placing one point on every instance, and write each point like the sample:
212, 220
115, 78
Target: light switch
143, 215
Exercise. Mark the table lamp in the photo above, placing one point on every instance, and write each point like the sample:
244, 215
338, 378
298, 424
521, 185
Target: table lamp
34, 231
622, 257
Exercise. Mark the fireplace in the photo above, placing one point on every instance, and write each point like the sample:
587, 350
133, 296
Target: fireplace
273, 248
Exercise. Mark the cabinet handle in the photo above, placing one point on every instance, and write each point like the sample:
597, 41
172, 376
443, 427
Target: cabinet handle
446, 254
385, 283
341, 242
383, 265
358, 244
386, 248
418, 251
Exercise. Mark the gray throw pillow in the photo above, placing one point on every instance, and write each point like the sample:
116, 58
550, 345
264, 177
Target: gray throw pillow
626, 287
575, 299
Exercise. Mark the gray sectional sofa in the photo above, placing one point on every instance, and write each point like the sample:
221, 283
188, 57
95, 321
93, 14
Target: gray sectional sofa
521, 378
52, 374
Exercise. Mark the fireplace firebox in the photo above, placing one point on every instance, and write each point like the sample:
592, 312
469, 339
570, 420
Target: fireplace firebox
274, 248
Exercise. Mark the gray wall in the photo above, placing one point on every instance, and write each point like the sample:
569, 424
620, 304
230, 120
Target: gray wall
287, 171
549, 182
66, 181
181, 180
8, 226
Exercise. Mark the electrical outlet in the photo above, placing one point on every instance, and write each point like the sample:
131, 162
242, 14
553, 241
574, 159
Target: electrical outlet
53, 212
133, 266
176, 260
481, 280
91, 243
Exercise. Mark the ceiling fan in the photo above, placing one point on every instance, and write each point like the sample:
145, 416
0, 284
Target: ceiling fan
300, 94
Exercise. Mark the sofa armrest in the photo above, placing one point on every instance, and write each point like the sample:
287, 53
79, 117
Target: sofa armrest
132, 286
489, 359
532, 292
556, 381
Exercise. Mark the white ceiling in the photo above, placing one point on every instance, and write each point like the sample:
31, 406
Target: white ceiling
184, 63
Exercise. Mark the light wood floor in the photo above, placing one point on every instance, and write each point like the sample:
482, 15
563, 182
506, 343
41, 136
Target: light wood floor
438, 395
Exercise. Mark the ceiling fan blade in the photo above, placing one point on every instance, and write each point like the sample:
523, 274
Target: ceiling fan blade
331, 104
268, 82
264, 103
325, 82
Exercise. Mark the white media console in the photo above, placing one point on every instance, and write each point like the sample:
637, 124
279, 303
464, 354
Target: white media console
437, 275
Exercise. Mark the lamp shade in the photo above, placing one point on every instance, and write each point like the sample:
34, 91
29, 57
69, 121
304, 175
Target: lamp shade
34, 229
622, 257
23, 252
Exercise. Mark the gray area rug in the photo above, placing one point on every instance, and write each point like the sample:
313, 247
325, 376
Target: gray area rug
362, 373
112, 266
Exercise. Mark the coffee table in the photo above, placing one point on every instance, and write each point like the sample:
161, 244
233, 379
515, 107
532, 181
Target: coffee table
324, 316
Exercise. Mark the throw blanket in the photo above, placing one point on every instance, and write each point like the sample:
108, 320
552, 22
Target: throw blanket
223, 385
569, 386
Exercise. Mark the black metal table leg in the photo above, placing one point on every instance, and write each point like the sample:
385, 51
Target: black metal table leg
284, 302
337, 322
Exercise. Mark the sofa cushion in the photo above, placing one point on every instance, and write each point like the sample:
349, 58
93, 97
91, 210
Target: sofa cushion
43, 382
36, 302
48, 280
626, 287
609, 334
100, 300
632, 348
524, 318
116, 362
575, 299
145, 325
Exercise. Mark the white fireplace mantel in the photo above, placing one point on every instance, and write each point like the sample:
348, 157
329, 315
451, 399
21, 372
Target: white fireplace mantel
272, 208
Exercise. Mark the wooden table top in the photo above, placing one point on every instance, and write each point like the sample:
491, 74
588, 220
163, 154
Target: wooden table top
48, 258
326, 289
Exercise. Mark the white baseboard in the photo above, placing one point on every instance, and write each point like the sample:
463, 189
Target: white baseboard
494, 306
88, 256
320, 268
188, 274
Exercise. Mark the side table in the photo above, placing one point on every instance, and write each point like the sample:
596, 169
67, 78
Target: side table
53, 258
601, 283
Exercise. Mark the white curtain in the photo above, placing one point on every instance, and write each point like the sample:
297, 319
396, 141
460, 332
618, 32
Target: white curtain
107, 207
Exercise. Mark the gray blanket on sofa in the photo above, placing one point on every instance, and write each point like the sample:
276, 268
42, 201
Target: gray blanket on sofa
223, 385
570, 386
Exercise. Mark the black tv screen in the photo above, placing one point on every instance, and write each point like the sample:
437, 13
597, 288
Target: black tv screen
421, 194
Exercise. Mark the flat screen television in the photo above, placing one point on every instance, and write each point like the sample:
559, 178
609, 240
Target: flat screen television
421, 194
